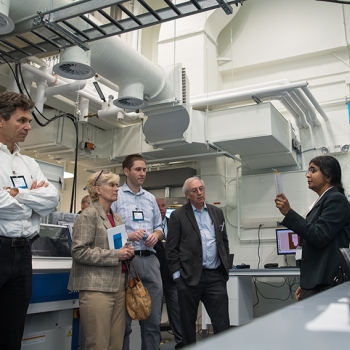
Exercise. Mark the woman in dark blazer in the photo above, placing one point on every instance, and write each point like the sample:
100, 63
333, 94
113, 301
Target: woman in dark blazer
325, 229
97, 271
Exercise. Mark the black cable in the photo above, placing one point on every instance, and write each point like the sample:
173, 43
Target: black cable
307, 150
287, 281
48, 121
259, 244
256, 291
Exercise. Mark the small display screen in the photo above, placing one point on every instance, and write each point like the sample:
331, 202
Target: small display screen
287, 241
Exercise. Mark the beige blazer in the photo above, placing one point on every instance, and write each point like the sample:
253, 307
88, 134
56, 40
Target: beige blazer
95, 266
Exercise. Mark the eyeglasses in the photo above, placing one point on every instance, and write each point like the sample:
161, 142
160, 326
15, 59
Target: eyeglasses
98, 177
310, 171
199, 189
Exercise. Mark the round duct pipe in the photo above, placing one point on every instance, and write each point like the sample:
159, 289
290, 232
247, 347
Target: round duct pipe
110, 57
6, 23
131, 97
74, 64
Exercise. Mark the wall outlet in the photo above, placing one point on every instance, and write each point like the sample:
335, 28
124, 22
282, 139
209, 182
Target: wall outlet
264, 222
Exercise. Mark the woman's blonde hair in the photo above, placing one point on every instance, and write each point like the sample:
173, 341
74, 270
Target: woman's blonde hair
98, 179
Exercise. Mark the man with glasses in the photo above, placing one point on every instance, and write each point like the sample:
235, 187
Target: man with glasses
143, 225
197, 251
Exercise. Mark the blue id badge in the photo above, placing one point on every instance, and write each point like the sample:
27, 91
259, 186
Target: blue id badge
19, 181
137, 215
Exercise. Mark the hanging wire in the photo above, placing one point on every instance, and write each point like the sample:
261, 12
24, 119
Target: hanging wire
16, 74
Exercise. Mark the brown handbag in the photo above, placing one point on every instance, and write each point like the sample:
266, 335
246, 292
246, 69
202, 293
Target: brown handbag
137, 299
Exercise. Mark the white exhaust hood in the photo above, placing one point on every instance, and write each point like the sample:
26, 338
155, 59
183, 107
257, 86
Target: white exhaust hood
259, 134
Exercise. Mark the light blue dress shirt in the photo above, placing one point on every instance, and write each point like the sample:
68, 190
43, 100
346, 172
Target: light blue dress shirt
143, 201
206, 227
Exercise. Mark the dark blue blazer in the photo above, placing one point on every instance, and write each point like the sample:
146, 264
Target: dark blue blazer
325, 230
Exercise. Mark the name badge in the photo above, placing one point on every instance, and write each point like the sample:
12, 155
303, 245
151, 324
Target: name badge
298, 253
19, 181
137, 215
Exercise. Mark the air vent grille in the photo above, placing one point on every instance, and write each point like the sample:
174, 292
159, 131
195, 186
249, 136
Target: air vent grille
74, 70
131, 103
6, 24
184, 87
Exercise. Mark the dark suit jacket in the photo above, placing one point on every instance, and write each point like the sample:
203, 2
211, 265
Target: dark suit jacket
167, 277
325, 230
184, 244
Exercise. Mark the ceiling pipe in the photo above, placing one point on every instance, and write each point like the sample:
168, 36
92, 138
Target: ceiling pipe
290, 104
37, 61
314, 102
298, 111
43, 74
99, 78
84, 109
65, 88
41, 86
288, 107
242, 94
301, 96
110, 111
249, 87
53, 79
110, 57
228, 96
309, 112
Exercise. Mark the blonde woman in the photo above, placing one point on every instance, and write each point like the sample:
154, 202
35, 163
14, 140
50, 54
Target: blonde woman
97, 271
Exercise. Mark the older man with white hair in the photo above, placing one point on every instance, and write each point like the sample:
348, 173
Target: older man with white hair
197, 251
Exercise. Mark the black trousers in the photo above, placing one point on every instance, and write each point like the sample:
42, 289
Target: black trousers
15, 293
212, 291
306, 293
173, 310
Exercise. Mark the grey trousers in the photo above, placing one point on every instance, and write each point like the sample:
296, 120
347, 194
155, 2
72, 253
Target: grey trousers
149, 272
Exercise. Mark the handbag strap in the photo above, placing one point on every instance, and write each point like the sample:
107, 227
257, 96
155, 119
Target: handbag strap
128, 263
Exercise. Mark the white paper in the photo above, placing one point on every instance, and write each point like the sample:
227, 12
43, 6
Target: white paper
116, 237
278, 182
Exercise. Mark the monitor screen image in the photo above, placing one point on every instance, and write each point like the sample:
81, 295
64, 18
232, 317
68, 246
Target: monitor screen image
287, 241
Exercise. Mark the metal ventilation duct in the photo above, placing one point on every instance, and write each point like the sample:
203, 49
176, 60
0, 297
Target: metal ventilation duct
75, 64
6, 23
110, 57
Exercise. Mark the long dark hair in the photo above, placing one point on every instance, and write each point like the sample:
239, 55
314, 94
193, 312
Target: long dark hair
330, 167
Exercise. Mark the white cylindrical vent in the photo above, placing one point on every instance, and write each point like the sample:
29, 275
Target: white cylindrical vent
6, 23
131, 97
74, 64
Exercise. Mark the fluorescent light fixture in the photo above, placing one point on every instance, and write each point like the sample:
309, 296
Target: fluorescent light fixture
67, 175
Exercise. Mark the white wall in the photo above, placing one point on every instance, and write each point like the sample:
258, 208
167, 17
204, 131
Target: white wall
265, 41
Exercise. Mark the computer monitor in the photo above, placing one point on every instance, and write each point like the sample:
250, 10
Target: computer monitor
287, 241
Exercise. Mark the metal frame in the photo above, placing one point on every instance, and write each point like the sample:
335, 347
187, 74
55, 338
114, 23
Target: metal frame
56, 29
